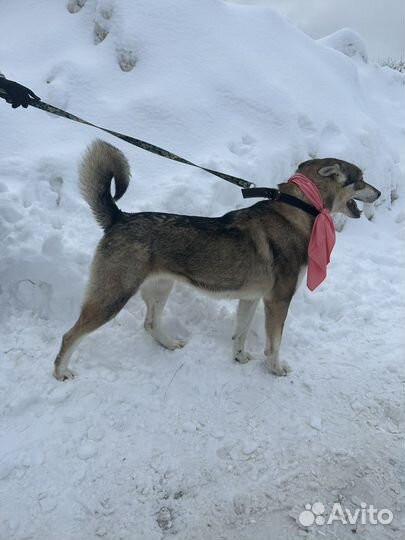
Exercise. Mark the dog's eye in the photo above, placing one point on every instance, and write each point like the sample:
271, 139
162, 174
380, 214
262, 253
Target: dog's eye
349, 180
359, 184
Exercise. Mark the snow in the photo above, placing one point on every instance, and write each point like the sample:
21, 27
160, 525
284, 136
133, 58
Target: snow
145, 442
348, 42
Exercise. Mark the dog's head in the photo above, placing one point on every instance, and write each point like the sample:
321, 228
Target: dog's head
340, 183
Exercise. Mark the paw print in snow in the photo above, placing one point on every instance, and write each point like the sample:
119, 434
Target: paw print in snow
126, 59
74, 6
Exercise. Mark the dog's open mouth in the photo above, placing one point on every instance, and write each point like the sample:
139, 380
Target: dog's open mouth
354, 209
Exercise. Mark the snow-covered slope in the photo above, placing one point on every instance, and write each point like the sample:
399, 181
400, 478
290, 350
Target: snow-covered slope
145, 441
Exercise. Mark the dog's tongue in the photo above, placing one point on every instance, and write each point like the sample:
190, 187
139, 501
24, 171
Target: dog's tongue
352, 206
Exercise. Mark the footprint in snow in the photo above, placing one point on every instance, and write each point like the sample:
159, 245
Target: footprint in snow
74, 6
101, 23
126, 59
306, 124
242, 147
164, 518
56, 185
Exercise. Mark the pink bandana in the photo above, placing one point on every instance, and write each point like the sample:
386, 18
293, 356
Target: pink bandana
323, 232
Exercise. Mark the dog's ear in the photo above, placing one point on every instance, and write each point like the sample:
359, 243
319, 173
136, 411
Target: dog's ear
330, 170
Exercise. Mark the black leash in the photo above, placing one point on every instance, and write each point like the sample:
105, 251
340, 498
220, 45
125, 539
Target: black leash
248, 189
141, 144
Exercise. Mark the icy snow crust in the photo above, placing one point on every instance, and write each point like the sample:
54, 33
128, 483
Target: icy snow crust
146, 442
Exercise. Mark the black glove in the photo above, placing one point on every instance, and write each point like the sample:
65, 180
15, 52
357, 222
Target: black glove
16, 94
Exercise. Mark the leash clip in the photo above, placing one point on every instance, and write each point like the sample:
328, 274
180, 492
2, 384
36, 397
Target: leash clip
261, 192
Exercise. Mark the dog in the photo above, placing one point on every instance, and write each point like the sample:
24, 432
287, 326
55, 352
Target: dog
250, 254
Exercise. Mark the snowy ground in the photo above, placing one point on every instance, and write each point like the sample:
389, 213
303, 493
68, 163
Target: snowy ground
146, 443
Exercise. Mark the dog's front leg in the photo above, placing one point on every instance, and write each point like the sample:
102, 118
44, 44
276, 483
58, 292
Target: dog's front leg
275, 315
246, 310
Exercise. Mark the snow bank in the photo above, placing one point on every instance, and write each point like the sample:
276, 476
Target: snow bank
145, 441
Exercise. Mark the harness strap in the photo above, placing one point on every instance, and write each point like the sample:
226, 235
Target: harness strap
245, 184
276, 195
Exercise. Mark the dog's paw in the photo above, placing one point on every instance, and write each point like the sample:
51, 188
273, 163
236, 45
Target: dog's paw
281, 369
243, 357
64, 375
173, 343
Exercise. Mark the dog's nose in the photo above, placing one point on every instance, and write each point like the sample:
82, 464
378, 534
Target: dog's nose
378, 193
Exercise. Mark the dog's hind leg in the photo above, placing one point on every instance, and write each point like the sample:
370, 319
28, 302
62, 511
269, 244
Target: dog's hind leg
95, 312
114, 278
244, 316
275, 314
155, 294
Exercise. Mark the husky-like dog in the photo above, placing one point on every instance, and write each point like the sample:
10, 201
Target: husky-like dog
249, 254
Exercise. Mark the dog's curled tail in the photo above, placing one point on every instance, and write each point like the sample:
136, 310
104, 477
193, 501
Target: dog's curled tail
101, 163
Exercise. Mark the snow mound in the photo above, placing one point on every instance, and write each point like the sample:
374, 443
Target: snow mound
348, 42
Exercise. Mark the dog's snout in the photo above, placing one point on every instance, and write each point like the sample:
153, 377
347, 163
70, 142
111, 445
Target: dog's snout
376, 194
367, 194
